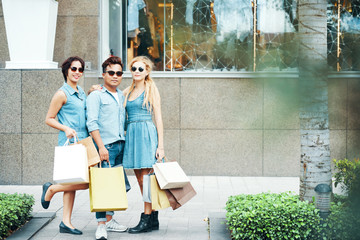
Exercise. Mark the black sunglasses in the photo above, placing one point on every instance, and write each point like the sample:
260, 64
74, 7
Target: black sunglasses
133, 69
74, 69
118, 73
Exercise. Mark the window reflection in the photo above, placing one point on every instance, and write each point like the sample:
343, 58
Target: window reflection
344, 35
219, 35
277, 24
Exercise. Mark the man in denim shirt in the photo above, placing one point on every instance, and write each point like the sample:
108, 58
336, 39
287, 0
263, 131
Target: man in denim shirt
106, 122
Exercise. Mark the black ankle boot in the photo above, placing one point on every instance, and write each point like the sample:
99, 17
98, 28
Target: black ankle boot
155, 220
144, 224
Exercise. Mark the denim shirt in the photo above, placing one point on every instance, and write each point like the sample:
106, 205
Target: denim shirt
72, 113
105, 114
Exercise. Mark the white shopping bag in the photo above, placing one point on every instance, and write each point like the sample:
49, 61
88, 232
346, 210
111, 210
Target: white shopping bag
71, 164
170, 175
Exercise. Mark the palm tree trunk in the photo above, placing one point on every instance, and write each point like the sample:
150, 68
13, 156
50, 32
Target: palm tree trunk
315, 161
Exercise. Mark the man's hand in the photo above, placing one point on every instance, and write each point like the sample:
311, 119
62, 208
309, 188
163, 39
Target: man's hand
94, 87
104, 154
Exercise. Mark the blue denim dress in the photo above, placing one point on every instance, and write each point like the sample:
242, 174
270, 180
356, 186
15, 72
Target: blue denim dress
73, 113
141, 136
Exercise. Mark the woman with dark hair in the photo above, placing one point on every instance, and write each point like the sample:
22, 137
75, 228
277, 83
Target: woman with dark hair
68, 105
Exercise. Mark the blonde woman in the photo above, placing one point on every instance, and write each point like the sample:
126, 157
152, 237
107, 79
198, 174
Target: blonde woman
144, 139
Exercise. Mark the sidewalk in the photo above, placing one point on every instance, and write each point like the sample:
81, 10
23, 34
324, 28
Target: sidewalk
186, 223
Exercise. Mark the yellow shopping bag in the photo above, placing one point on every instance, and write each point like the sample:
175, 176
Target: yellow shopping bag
107, 189
159, 199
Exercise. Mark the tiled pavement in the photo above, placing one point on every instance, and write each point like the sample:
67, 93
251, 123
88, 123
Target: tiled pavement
185, 223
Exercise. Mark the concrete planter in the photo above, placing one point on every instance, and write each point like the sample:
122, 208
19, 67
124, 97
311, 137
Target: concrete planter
30, 30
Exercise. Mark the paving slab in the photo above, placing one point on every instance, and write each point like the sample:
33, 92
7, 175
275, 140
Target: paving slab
190, 222
36, 223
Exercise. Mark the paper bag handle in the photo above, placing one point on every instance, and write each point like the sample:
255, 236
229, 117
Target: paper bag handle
107, 162
164, 159
76, 139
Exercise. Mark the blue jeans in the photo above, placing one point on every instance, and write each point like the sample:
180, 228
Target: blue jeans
116, 152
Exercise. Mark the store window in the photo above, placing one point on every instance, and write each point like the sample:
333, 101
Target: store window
219, 35
344, 35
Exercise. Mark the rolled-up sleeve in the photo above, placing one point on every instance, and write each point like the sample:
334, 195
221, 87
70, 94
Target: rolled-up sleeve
92, 113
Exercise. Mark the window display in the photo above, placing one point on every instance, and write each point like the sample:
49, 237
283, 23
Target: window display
220, 36
344, 35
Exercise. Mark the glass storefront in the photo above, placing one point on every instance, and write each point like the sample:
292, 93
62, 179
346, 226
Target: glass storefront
219, 35
344, 35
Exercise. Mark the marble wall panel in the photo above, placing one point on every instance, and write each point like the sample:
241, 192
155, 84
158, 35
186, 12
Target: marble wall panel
221, 104
281, 104
172, 144
77, 36
281, 153
337, 100
10, 104
38, 157
10, 159
222, 152
38, 88
78, 7
337, 144
353, 108
353, 143
169, 90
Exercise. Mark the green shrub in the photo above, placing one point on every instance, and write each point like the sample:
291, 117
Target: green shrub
347, 174
343, 223
344, 220
15, 210
272, 216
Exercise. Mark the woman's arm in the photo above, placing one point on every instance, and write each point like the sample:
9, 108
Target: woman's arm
58, 100
159, 125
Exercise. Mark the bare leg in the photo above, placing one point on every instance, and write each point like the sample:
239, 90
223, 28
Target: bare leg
68, 200
63, 188
139, 173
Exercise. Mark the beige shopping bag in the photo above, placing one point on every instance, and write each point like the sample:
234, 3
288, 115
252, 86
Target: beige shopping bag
107, 189
159, 199
92, 153
170, 175
70, 164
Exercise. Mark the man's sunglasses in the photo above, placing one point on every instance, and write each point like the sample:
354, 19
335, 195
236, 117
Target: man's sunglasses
74, 69
118, 73
133, 69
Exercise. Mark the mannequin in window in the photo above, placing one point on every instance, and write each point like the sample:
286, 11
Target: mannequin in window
146, 40
133, 8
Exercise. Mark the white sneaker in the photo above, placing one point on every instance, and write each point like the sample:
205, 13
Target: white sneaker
101, 233
114, 226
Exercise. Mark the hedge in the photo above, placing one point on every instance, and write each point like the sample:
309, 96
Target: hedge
15, 210
271, 216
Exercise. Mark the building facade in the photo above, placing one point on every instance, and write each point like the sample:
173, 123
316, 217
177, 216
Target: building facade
229, 90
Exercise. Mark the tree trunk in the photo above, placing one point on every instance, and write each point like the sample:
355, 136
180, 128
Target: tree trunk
315, 161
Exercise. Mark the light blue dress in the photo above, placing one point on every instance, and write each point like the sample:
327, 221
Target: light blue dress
72, 113
141, 136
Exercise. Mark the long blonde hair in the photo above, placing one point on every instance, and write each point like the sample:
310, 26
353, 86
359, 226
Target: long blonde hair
150, 86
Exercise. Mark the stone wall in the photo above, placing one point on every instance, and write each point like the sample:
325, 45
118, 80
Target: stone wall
235, 127
213, 126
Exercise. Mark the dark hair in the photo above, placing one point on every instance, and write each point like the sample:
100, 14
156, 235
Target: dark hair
67, 63
110, 61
